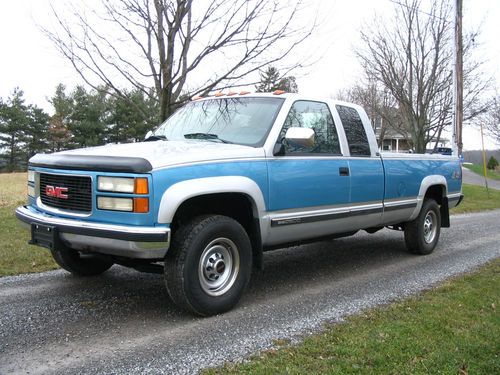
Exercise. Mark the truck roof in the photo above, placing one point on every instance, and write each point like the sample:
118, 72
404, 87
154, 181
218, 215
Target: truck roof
277, 93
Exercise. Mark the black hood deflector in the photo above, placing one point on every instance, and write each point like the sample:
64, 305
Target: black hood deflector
92, 163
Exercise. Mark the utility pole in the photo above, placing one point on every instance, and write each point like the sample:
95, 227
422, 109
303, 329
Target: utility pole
458, 79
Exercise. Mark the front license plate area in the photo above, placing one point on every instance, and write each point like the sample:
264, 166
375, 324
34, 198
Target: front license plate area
44, 235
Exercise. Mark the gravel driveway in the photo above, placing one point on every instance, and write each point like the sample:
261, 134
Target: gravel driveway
123, 323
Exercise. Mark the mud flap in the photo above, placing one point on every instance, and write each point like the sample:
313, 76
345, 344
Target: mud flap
445, 213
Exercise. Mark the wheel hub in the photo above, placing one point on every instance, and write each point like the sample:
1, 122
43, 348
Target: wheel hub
218, 266
430, 228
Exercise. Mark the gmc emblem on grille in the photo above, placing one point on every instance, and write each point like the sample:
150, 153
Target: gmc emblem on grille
56, 192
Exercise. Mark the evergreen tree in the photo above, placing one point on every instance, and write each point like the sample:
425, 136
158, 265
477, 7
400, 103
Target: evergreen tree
87, 118
125, 123
270, 81
37, 132
492, 163
59, 133
13, 123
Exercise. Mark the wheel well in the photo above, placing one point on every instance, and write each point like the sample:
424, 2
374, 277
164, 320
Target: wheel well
436, 192
238, 206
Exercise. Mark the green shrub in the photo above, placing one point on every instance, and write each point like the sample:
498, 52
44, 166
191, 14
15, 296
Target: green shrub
492, 163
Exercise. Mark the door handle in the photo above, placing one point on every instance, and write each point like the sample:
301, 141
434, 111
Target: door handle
344, 171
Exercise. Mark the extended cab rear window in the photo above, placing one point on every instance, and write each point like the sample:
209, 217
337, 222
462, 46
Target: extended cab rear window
354, 131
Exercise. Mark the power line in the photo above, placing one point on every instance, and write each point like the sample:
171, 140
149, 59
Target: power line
418, 10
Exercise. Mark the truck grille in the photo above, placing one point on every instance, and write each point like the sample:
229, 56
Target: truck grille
75, 195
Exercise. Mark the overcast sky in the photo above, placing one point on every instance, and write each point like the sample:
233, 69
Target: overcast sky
30, 61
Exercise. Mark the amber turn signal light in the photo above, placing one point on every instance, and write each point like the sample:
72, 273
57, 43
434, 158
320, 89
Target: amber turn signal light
141, 186
141, 205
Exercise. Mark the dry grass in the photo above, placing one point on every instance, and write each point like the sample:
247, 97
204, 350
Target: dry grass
13, 187
16, 256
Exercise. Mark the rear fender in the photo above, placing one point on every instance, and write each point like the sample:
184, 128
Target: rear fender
426, 183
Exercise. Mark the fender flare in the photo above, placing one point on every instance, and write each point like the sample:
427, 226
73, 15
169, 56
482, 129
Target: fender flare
426, 183
180, 192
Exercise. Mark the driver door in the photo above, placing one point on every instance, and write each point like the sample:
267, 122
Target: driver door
309, 186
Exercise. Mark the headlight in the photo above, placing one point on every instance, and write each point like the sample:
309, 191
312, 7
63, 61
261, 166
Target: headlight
116, 184
129, 185
115, 204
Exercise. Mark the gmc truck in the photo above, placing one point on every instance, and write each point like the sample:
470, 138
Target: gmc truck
224, 179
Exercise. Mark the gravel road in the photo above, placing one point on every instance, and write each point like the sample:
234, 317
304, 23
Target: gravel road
123, 323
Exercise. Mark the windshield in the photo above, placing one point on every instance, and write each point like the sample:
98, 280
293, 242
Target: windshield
245, 121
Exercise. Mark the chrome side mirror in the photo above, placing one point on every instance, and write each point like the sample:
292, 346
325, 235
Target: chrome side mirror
303, 137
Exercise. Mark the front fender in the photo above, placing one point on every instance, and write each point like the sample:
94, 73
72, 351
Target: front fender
178, 193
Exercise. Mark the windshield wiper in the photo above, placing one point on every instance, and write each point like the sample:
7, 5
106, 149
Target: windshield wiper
156, 138
205, 136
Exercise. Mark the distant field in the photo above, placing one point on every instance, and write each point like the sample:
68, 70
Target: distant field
476, 168
16, 256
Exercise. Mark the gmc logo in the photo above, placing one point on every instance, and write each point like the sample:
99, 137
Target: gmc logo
56, 192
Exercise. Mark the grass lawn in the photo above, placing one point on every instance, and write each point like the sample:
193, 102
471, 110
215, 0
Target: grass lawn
494, 175
450, 330
477, 199
16, 256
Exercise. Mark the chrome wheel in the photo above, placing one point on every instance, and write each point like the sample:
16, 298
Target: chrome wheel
219, 266
430, 226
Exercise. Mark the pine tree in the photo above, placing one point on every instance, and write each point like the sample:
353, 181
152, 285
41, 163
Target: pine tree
87, 117
59, 133
125, 123
13, 124
270, 81
37, 132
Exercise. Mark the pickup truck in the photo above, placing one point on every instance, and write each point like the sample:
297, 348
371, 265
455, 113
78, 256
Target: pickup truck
224, 179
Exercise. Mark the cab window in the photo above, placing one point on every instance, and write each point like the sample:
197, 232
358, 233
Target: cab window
315, 116
354, 131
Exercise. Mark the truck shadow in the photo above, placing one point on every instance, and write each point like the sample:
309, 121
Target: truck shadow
285, 271
290, 269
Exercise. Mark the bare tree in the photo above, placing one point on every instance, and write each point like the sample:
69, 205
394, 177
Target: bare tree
412, 58
173, 45
493, 119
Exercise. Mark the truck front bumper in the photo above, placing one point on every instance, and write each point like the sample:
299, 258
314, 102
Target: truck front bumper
119, 240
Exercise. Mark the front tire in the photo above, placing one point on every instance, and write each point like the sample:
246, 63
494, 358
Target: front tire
78, 264
209, 265
422, 234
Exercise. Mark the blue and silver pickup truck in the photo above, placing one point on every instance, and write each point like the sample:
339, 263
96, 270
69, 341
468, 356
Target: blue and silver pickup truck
224, 179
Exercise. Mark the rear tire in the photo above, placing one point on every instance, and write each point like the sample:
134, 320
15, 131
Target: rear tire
209, 264
422, 234
78, 264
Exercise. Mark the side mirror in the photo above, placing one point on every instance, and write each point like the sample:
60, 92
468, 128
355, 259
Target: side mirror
303, 137
148, 134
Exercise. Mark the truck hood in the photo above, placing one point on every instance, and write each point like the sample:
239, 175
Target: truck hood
157, 154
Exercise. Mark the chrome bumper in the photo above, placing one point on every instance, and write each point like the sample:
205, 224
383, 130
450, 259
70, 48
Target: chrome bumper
119, 240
